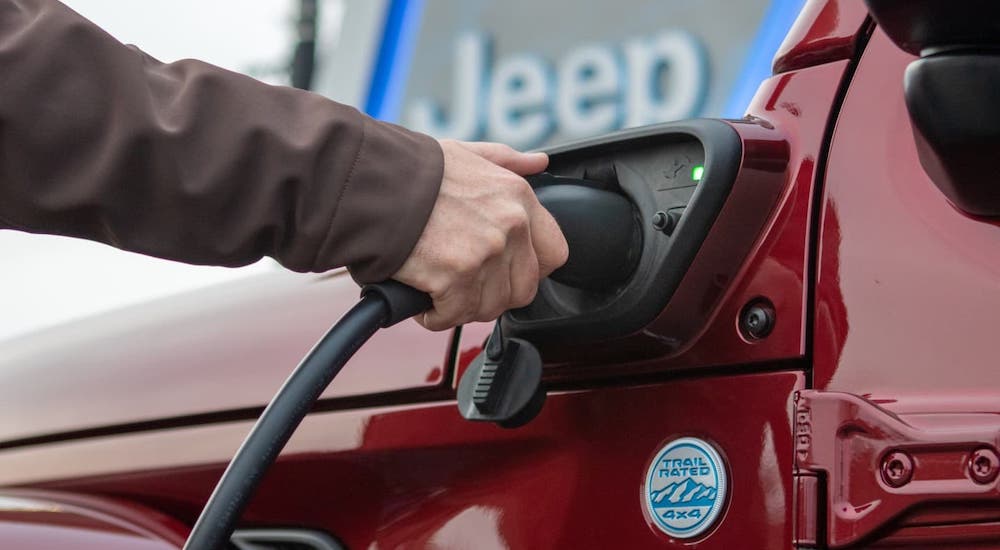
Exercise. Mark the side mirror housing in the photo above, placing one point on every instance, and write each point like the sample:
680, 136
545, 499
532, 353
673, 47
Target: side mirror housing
951, 93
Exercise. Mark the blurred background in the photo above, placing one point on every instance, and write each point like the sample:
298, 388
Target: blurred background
523, 72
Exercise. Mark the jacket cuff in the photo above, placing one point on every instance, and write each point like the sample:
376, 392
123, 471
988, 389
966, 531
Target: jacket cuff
387, 198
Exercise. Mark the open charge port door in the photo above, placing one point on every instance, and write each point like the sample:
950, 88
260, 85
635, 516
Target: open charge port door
636, 208
680, 180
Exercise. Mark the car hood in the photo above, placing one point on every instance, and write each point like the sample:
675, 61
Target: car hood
223, 348
46, 520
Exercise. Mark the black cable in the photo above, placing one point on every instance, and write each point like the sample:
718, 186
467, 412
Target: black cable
382, 305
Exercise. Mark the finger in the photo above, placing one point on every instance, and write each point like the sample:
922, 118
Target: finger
548, 241
520, 163
524, 277
495, 296
454, 307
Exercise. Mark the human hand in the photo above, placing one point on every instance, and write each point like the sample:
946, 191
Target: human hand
488, 242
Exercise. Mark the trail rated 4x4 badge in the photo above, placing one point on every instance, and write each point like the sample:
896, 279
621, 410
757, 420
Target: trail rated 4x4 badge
685, 487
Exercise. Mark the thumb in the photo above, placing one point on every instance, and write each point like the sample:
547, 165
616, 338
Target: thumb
522, 164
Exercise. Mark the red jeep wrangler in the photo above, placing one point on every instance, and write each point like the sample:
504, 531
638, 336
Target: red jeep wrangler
800, 356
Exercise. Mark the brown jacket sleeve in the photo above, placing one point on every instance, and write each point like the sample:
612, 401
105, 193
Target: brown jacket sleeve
194, 163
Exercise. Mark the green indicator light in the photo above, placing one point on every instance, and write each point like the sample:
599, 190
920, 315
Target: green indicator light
697, 172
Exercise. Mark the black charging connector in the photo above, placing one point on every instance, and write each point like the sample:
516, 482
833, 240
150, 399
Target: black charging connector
503, 384
601, 228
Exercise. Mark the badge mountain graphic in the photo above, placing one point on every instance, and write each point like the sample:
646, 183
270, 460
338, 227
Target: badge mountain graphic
683, 493
685, 488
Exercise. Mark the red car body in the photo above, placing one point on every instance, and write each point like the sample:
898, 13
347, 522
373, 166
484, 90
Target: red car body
114, 431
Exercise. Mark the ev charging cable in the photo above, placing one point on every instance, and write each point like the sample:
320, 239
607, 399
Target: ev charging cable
382, 305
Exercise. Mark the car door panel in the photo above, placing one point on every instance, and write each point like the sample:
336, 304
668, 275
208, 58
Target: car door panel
906, 306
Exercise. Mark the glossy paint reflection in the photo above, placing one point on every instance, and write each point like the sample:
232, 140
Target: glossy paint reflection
207, 351
825, 31
908, 296
476, 526
418, 474
44, 520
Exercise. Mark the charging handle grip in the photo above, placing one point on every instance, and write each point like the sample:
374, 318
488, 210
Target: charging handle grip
402, 301
601, 229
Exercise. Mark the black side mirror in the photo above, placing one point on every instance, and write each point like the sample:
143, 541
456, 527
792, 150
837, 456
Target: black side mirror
952, 93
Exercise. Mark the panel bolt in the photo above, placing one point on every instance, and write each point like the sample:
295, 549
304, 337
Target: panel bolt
897, 469
757, 319
984, 465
